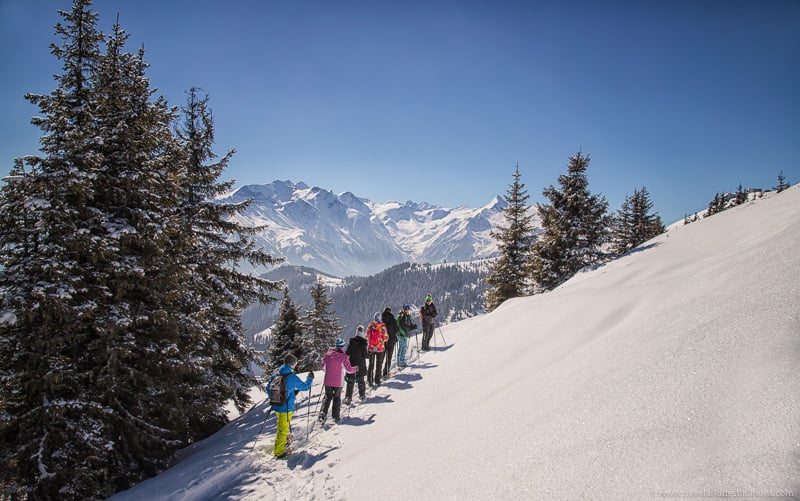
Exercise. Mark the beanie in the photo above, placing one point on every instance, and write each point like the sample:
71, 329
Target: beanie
360, 331
377, 317
428, 298
339, 342
290, 360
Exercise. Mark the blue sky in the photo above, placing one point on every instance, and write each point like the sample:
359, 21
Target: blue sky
438, 100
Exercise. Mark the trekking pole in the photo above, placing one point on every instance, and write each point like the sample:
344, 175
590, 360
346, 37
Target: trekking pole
269, 411
308, 415
308, 422
416, 338
442, 334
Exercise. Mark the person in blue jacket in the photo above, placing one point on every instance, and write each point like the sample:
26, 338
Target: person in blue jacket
283, 413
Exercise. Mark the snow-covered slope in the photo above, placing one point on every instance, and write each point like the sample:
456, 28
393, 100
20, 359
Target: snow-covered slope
346, 235
671, 372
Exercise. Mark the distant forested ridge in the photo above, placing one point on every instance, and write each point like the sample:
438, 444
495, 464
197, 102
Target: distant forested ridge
457, 290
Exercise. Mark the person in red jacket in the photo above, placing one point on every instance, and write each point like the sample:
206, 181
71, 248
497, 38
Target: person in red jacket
334, 363
376, 339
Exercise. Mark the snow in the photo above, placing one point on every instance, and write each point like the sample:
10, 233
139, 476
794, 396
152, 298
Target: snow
670, 372
7, 317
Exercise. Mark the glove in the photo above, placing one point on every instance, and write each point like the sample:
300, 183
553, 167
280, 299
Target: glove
311, 375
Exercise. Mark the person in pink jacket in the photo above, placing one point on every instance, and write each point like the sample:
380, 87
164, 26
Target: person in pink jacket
335, 363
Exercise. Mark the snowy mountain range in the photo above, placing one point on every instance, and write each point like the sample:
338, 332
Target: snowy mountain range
346, 235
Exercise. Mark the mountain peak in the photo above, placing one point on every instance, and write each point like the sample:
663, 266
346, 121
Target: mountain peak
497, 202
347, 235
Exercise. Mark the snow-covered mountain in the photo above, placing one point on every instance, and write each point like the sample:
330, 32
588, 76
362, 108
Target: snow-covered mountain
348, 235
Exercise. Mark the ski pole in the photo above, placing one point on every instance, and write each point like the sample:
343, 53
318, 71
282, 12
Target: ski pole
308, 421
266, 416
308, 415
442, 334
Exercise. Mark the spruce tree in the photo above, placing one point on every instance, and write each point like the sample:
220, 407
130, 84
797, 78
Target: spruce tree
320, 329
216, 293
52, 417
140, 331
716, 205
106, 169
712, 206
287, 335
634, 223
741, 195
508, 274
622, 226
573, 228
120, 339
782, 183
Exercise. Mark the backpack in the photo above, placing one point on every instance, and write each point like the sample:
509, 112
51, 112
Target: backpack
376, 337
404, 319
277, 390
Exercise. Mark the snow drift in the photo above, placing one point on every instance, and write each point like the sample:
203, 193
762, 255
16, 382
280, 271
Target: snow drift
671, 372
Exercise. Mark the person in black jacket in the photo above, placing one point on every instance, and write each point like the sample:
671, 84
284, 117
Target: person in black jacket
392, 329
357, 351
428, 314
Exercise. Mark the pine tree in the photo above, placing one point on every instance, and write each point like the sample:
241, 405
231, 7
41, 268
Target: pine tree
573, 228
106, 168
141, 335
120, 338
214, 242
741, 195
782, 183
286, 337
320, 329
622, 226
508, 276
50, 423
634, 223
716, 205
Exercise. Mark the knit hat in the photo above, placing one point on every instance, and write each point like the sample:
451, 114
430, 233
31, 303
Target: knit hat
377, 317
339, 342
290, 360
428, 298
406, 307
360, 331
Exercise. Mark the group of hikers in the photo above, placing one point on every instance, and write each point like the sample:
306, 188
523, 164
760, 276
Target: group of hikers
366, 360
